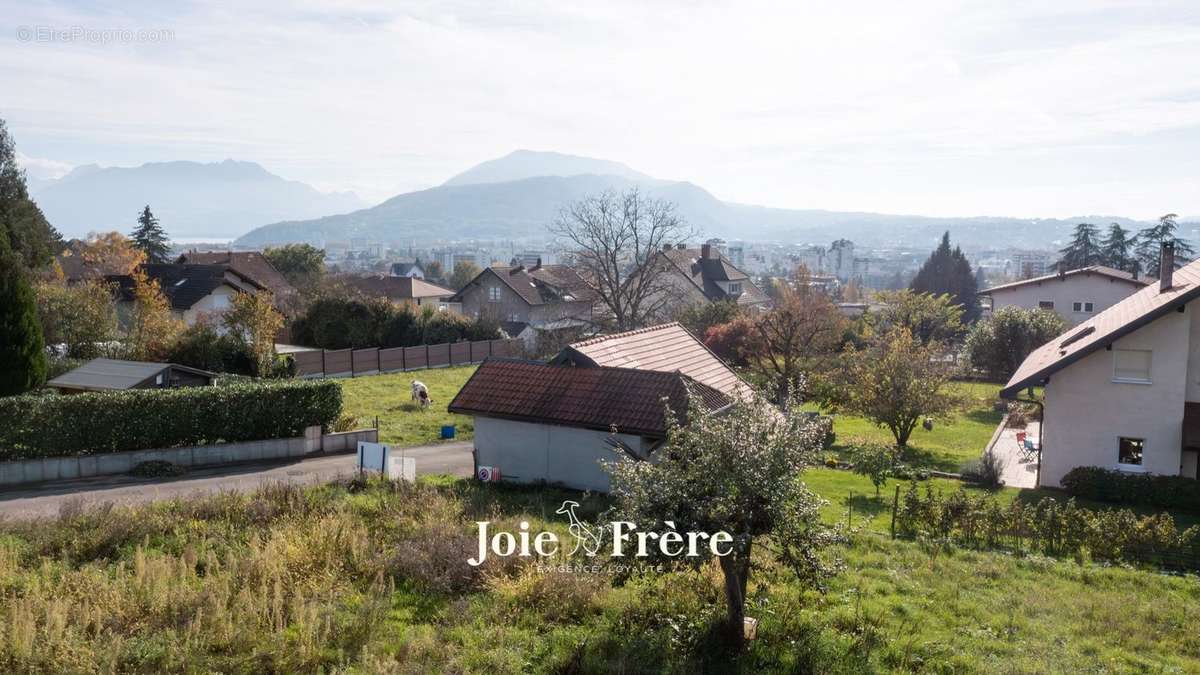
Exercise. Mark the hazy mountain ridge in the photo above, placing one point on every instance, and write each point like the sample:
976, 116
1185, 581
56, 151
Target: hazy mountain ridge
191, 199
497, 200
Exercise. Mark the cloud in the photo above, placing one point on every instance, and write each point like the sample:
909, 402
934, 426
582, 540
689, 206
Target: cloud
1022, 108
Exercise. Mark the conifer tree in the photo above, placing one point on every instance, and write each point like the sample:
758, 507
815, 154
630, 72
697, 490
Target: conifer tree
22, 350
150, 238
1117, 249
1084, 249
947, 271
1150, 241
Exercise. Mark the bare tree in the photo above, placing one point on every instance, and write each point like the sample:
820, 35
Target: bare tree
617, 239
803, 326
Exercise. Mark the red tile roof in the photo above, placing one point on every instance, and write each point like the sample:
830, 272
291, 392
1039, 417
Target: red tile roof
1105, 328
665, 348
627, 400
397, 288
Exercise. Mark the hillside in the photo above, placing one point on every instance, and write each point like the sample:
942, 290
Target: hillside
191, 199
521, 164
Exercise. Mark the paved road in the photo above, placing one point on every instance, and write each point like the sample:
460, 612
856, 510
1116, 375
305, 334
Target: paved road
46, 499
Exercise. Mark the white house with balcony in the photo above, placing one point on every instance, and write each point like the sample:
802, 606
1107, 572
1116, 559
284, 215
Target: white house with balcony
1122, 389
1077, 295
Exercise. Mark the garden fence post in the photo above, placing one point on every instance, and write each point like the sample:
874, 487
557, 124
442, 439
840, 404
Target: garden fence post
850, 510
322, 362
895, 507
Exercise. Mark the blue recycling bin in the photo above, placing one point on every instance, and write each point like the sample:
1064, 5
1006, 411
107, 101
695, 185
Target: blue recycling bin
448, 431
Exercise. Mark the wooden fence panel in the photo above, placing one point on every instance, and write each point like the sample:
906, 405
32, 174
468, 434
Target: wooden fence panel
309, 364
439, 355
365, 361
338, 362
391, 360
506, 347
414, 358
460, 353
480, 350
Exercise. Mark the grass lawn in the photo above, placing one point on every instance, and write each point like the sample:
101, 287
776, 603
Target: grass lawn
371, 579
401, 420
949, 445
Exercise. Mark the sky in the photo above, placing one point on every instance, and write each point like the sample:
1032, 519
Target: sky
1016, 108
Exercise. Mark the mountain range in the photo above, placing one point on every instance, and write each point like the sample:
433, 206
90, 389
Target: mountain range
190, 199
518, 195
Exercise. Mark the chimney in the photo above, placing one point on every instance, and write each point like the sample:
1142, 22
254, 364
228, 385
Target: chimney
1166, 266
537, 265
1137, 266
710, 252
1062, 269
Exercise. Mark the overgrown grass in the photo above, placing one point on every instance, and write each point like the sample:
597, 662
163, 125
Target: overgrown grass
373, 579
401, 420
948, 445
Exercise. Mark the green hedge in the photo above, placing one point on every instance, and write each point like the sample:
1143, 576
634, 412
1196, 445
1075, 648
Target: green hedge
141, 419
1107, 485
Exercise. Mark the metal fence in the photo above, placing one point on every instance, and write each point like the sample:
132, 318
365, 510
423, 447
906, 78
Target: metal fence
372, 361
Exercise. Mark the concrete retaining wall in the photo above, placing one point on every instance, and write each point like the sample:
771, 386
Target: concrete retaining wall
108, 464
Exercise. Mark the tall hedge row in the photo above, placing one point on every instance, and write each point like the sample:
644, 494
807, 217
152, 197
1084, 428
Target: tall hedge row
1146, 489
141, 419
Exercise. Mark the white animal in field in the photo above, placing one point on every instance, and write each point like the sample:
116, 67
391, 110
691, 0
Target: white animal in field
421, 393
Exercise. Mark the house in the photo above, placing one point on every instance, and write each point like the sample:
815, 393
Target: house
252, 265
538, 422
1077, 295
194, 291
404, 290
668, 348
527, 301
411, 270
700, 275
116, 375
1122, 389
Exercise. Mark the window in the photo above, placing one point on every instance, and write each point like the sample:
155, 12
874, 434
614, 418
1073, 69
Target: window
735, 288
494, 294
1045, 304
1131, 365
1085, 307
1130, 451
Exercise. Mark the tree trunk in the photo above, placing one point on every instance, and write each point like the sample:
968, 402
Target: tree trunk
735, 600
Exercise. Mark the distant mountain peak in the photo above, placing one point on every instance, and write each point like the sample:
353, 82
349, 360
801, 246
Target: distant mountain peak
522, 164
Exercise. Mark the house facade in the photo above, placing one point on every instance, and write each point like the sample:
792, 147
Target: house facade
700, 275
1122, 389
1076, 295
528, 300
251, 265
194, 291
411, 292
539, 422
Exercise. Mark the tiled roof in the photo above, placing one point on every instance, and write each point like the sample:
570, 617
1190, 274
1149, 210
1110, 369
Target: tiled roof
251, 264
706, 272
631, 401
543, 285
1101, 270
398, 288
666, 348
183, 285
1105, 328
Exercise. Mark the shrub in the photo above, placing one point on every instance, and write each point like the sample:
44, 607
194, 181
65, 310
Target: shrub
876, 461
987, 470
1047, 526
139, 419
1148, 489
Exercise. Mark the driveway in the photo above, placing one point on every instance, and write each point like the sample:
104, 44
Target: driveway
45, 500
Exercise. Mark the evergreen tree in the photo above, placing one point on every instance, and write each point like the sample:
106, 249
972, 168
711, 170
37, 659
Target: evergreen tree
1084, 249
28, 236
22, 349
150, 238
947, 271
1117, 249
1150, 241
